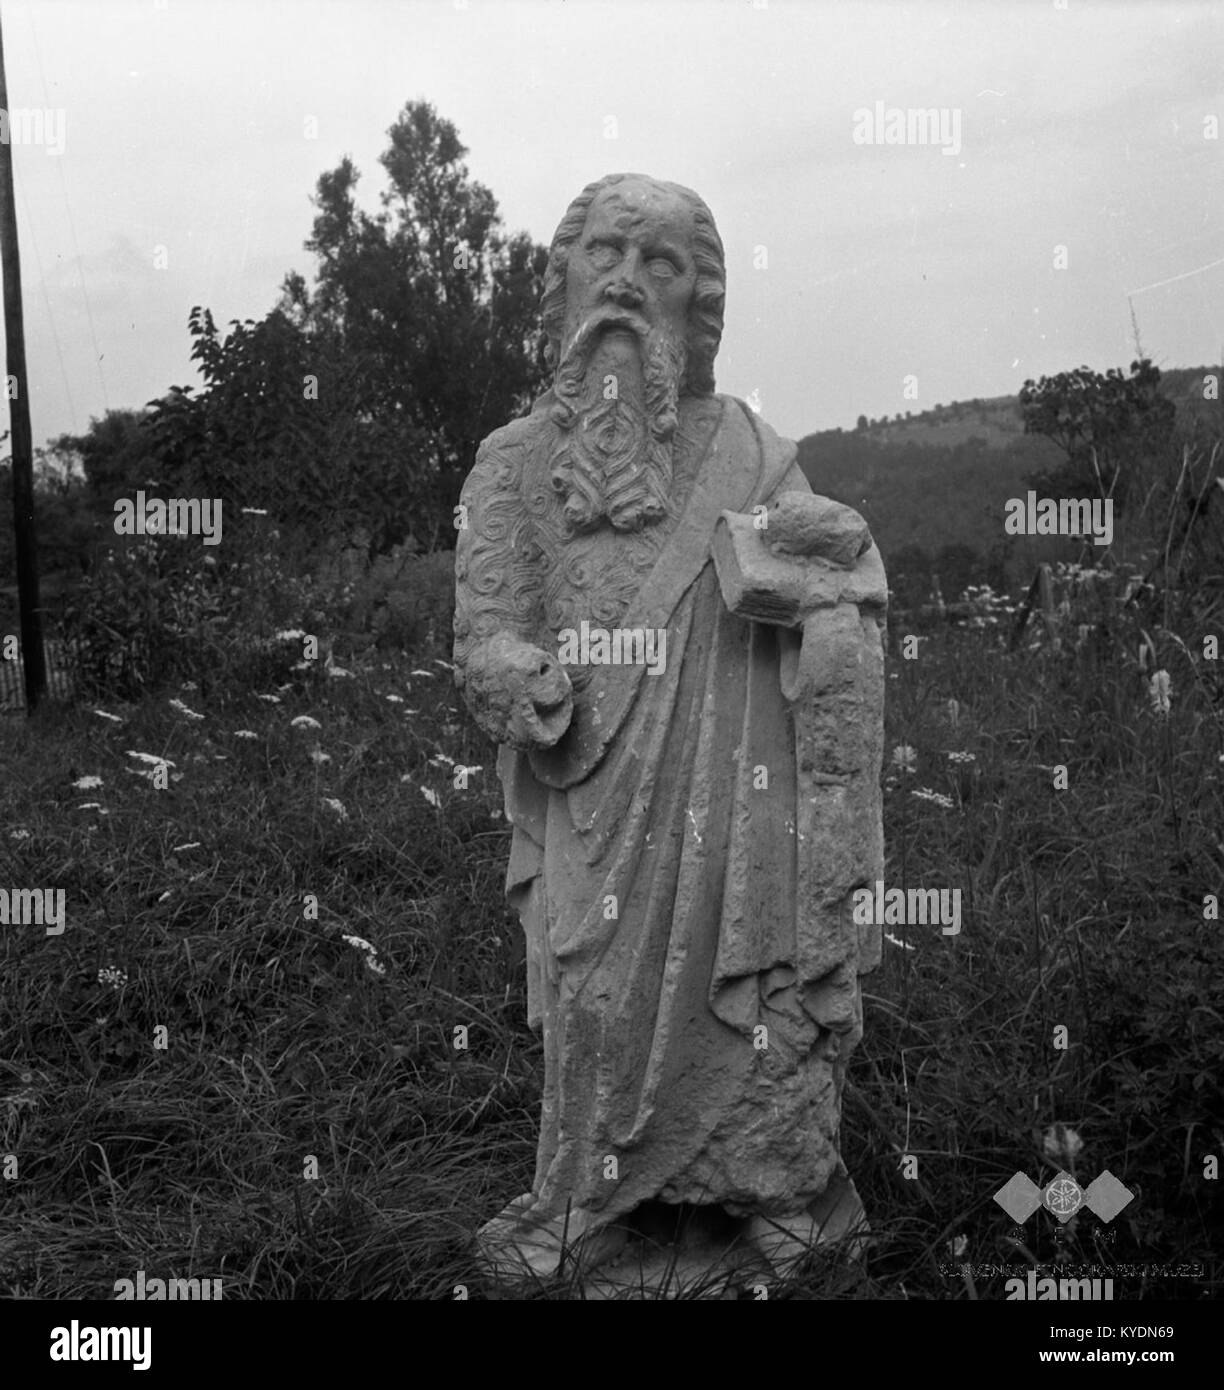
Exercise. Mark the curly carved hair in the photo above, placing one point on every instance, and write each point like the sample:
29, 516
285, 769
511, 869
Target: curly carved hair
709, 293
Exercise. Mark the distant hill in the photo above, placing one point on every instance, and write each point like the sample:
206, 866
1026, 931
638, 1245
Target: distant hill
940, 478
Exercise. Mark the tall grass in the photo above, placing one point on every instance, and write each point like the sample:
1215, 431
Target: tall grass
310, 1128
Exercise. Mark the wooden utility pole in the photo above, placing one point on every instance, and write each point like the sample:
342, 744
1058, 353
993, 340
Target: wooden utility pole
19, 406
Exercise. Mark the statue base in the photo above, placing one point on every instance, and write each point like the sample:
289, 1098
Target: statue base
661, 1251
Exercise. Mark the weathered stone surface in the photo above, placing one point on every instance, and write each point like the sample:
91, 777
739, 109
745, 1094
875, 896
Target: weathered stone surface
518, 693
799, 523
687, 834
768, 587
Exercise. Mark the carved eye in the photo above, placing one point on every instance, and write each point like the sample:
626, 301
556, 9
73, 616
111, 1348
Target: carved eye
663, 269
602, 256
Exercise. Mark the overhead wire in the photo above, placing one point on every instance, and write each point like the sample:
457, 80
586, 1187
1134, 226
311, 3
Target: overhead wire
93, 337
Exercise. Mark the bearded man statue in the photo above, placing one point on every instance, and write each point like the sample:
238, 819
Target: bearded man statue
689, 708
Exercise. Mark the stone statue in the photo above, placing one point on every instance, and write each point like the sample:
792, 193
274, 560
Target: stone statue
678, 648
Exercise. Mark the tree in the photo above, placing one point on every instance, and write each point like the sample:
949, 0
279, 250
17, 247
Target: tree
435, 302
958, 566
1101, 423
909, 575
67, 523
116, 452
286, 423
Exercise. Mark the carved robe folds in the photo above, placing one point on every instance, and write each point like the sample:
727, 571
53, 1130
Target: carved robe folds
683, 856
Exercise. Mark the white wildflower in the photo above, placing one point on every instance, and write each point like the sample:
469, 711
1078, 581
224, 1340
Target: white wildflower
1061, 1144
962, 758
150, 758
338, 671
1160, 690
337, 807
93, 806
245, 733
318, 757
20, 835
269, 699
904, 757
291, 634
87, 784
431, 796
937, 798
304, 721
113, 976
370, 957
102, 714
395, 699
182, 709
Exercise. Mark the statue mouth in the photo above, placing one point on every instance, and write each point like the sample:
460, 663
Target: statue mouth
608, 325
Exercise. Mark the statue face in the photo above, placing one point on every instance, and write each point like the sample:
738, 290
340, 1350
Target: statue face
634, 257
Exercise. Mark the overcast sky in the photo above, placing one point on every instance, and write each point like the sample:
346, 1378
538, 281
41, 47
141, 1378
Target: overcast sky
185, 128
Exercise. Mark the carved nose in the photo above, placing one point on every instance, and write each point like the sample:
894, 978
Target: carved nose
625, 293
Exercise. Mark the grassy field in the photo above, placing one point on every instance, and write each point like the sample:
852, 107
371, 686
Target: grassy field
304, 1126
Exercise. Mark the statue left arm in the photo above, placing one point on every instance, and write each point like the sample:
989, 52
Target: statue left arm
517, 692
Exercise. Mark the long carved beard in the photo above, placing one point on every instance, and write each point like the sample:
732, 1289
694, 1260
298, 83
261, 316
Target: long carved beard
613, 459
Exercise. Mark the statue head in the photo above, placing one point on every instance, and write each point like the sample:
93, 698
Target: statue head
632, 309
688, 220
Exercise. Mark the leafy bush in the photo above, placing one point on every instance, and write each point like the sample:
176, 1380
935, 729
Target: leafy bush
163, 608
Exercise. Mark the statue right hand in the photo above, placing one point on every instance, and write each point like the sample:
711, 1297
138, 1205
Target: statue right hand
519, 693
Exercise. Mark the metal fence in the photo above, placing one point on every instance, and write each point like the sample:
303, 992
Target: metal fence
12, 677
